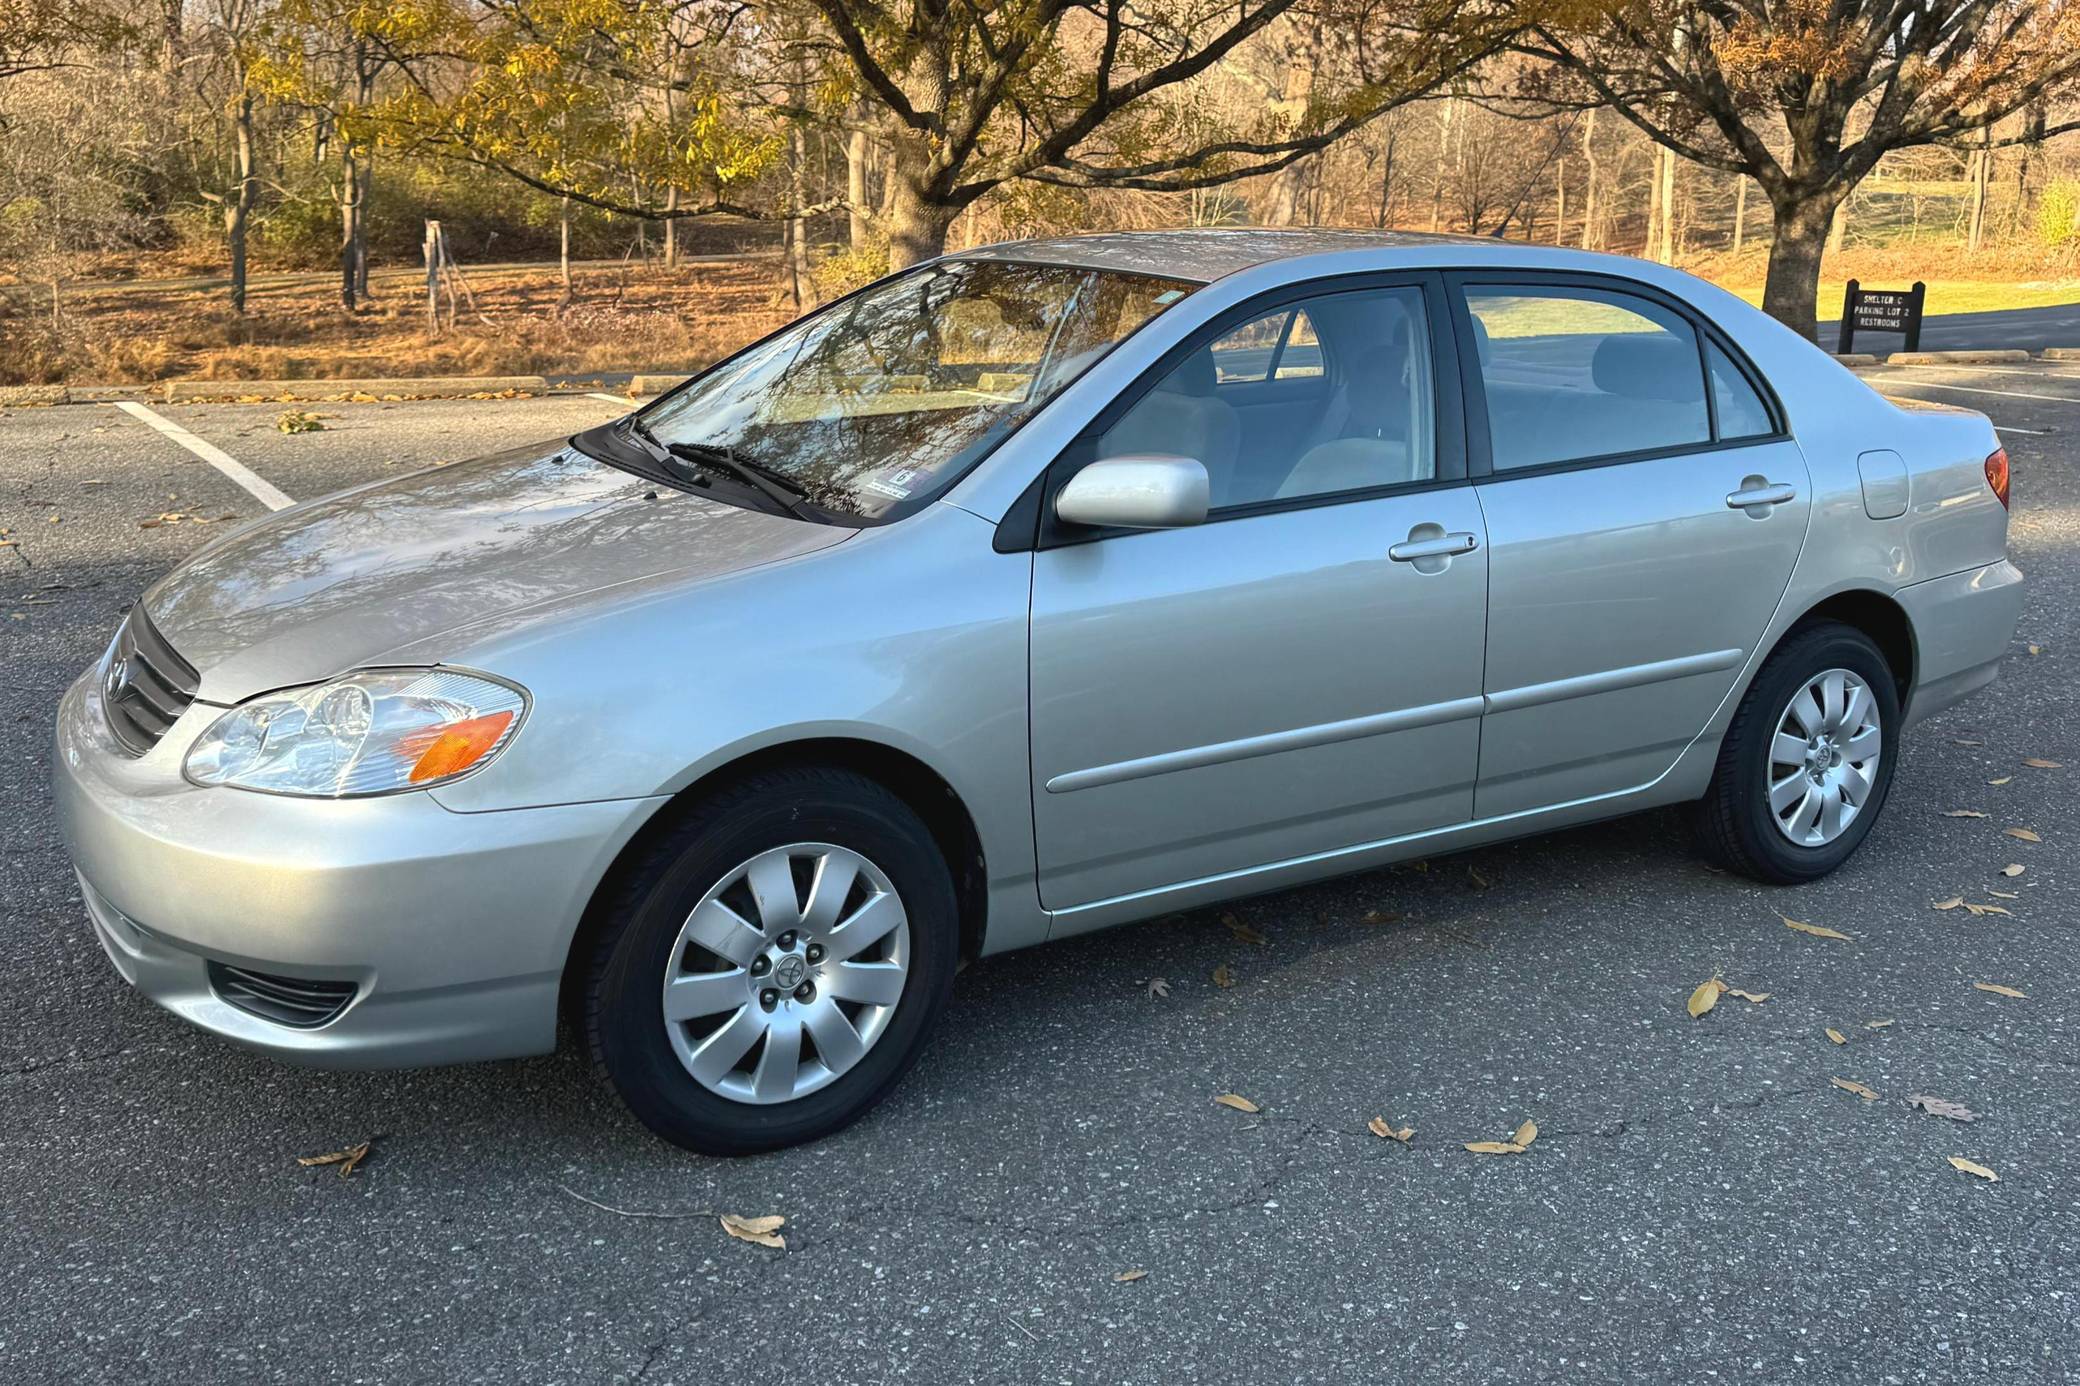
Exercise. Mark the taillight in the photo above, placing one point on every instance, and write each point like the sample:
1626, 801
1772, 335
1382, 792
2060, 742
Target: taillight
1997, 473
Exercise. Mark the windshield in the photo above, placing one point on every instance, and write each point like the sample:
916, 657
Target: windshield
868, 408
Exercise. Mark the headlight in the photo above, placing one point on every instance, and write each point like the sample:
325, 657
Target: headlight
375, 732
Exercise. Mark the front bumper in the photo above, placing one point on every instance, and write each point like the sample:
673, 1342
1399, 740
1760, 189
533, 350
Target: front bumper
453, 928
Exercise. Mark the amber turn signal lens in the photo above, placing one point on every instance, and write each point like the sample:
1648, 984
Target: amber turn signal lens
1997, 473
459, 747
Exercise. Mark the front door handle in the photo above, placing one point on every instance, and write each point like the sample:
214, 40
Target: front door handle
1442, 546
1759, 494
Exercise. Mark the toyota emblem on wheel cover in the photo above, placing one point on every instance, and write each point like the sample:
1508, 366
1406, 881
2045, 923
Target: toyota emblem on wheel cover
788, 973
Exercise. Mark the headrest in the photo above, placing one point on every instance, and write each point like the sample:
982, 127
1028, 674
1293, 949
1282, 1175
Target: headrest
1640, 365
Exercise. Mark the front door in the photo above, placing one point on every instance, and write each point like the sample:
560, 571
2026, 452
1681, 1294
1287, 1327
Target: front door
1644, 512
1297, 675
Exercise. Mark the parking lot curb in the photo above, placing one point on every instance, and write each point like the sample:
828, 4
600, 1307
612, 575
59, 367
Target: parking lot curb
642, 386
428, 387
12, 395
1992, 357
2071, 353
1856, 358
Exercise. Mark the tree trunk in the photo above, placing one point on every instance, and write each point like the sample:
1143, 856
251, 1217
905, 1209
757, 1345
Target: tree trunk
1665, 251
238, 208
916, 228
1838, 227
1559, 201
563, 253
800, 287
1982, 174
1589, 238
671, 228
1646, 246
1740, 210
859, 226
1444, 146
349, 224
1791, 292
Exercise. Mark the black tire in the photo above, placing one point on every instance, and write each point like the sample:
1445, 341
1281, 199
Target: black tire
1734, 823
622, 1004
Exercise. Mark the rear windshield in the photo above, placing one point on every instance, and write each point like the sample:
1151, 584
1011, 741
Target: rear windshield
875, 404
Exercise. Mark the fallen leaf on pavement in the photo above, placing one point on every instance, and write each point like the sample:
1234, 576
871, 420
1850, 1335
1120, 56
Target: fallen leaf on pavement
1952, 903
1937, 1106
2002, 780
2003, 894
1242, 931
1998, 990
1976, 910
1961, 741
1240, 1104
1223, 978
1837, 1036
345, 1159
1962, 813
2013, 868
1815, 930
763, 1231
1878, 1024
1383, 917
1754, 998
2039, 763
1527, 1133
1157, 986
1970, 1167
2022, 833
1476, 879
1705, 997
1859, 1089
1515, 1145
1129, 1276
1378, 1127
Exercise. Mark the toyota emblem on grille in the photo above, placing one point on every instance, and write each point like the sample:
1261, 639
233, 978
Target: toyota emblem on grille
118, 681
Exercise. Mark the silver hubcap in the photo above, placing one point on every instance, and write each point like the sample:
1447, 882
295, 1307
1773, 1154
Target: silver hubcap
786, 973
1823, 761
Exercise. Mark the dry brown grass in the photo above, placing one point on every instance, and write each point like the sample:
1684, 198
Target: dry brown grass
620, 320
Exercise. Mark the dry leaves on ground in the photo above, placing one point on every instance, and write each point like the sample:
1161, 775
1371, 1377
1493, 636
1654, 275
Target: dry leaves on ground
1977, 910
1128, 1277
1383, 917
1941, 1107
763, 1231
1878, 1024
1975, 1168
2039, 763
1378, 1127
1952, 903
1859, 1089
2013, 868
2022, 834
1223, 978
1242, 931
1517, 1144
1240, 1104
1708, 993
1815, 930
1998, 990
2001, 781
1836, 1035
1963, 813
346, 1159
1158, 987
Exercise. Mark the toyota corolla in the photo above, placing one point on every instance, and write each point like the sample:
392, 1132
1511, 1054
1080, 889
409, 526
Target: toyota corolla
1032, 590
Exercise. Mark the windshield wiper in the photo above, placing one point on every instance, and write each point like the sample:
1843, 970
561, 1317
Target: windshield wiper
781, 490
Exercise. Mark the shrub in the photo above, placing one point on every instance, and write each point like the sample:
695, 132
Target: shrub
2058, 212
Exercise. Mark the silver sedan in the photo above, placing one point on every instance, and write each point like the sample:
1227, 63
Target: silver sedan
1036, 589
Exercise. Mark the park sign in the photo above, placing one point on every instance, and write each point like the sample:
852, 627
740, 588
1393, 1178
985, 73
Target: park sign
1881, 310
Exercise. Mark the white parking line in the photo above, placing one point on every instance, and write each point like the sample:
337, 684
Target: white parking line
258, 487
1982, 390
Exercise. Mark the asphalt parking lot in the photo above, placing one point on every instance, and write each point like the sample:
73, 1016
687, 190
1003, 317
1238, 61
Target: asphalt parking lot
1701, 1202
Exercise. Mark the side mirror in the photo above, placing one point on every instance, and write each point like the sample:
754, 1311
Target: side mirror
1142, 491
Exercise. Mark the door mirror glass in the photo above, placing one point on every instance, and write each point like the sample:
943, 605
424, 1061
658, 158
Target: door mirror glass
1142, 491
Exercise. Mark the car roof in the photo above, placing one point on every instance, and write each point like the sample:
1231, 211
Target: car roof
1205, 253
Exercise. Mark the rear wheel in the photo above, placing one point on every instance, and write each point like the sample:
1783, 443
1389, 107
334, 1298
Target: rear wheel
1807, 761
775, 963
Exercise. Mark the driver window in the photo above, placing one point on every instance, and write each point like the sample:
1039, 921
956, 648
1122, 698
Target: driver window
1339, 399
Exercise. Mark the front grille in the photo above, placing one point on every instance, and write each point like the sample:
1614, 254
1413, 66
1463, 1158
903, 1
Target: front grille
297, 1002
146, 685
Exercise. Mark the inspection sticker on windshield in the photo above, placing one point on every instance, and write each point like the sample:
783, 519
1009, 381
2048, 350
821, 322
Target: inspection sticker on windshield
898, 484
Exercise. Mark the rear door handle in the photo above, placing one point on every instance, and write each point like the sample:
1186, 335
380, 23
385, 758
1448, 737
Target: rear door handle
1757, 494
1443, 546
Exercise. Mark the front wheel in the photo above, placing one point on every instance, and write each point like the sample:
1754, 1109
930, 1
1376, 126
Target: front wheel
1807, 761
775, 963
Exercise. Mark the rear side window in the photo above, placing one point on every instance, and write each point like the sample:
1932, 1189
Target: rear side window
1577, 373
1742, 414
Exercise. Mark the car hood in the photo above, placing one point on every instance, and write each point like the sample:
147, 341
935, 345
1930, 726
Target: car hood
336, 583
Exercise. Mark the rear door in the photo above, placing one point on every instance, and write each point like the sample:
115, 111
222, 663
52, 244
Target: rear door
1644, 510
